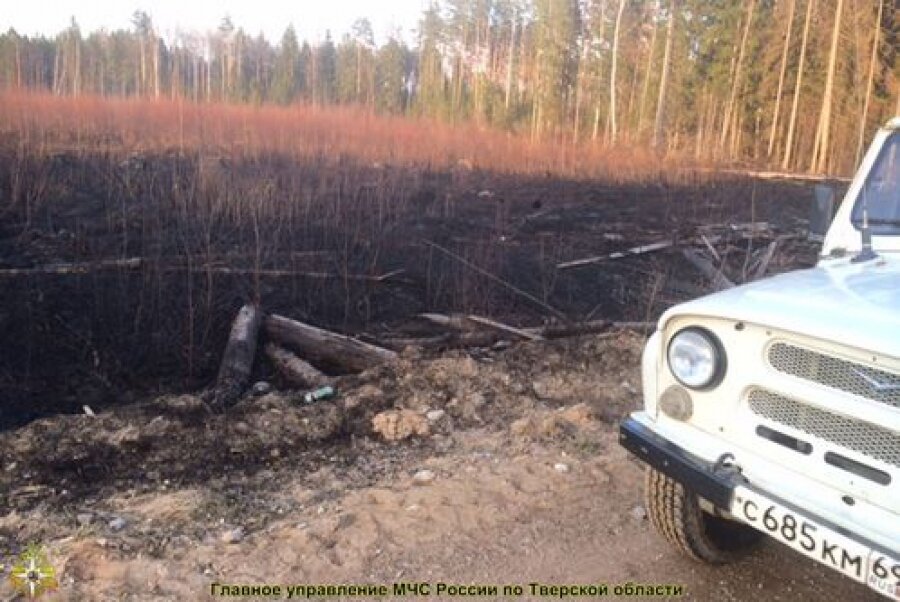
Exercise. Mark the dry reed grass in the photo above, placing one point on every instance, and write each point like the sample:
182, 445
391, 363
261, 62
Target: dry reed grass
89, 124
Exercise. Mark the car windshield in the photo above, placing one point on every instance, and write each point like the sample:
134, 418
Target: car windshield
881, 192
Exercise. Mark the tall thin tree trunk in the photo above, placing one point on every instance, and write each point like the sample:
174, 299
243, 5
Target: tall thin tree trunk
523, 58
509, 63
795, 104
18, 65
660, 120
224, 73
76, 82
701, 122
645, 92
196, 81
773, 133
613, 125
56, 77
358, 70
174, 85
819, 160
155, 67
579, 88
868, 93
143, 84
64, 74
731, 120
630, 108
599, 73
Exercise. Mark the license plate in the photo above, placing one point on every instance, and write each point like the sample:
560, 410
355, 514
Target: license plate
879, 571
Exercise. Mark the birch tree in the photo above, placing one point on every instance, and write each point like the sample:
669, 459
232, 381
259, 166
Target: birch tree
789, 143
871, 78
612, 74
730, 122
776, 113
660, 120
819, 161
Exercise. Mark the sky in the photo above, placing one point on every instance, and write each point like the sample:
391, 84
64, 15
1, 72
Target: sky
311, 18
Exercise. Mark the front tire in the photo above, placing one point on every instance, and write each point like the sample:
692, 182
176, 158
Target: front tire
675, 512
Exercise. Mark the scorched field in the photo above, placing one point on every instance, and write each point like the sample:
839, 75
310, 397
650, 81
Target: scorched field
495, 291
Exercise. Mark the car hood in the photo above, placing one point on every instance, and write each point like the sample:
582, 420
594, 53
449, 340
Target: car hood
852, 304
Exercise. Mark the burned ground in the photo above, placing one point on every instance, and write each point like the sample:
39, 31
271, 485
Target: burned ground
516, 477
129, 268
495, 462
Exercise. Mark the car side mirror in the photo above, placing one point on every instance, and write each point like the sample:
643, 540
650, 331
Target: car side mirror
822, 212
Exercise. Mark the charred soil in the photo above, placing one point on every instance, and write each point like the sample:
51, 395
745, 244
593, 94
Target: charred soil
498, 467
119, 275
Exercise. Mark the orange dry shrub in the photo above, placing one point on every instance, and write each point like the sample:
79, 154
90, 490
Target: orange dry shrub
95, 124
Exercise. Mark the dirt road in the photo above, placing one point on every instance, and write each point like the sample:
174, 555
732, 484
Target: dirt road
496, 469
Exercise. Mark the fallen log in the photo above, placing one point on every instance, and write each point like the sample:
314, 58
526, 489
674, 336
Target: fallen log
456, 340
237, 361
561, 331
467, 328
771, 175
453, 322
505, 328
131, 263
710, 247
293, 369
766, 258
322, 346
656, 246
474, 324
706, 267
493, 277
278, 273
635, 325
401, 343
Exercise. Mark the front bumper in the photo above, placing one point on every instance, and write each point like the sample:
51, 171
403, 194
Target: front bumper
713, 482
723, 485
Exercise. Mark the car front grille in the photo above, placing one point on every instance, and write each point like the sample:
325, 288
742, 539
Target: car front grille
876, 384
857, 435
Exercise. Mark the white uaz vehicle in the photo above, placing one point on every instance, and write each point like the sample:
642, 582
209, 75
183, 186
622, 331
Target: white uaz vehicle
774, 407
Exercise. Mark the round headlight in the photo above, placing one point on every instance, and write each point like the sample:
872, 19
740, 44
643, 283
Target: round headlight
696, 358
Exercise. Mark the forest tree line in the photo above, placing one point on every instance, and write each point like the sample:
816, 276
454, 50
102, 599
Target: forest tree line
795, 84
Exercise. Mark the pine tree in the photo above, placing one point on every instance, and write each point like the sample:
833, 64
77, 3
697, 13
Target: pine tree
557, 23
324, 92
286, 77
431, 84
390, 69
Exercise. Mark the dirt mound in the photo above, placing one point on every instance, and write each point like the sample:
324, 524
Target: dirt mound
517, 479
175, 441
553, 424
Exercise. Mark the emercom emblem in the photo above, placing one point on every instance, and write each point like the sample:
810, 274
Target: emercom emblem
32, 575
